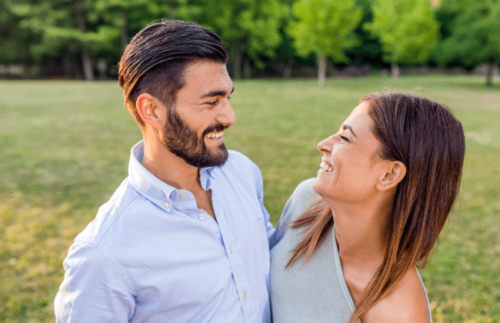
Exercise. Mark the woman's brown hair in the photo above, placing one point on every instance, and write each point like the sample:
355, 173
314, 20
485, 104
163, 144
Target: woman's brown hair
429, 140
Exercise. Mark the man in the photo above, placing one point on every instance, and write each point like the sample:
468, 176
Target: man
185, 236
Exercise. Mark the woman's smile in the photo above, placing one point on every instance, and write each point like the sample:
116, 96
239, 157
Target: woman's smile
326, 167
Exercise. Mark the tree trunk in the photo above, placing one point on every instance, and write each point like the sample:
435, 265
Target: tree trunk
394, 70
86, 59
247, 71
87, 64
321, 69
236, 65
287, 72
68, 68
102, 67
489, 73
26, 71
123, 29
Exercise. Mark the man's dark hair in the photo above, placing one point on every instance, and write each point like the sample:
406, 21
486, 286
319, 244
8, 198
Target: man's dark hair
155, 60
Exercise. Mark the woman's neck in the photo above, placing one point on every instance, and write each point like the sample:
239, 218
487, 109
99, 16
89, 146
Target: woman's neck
362, 231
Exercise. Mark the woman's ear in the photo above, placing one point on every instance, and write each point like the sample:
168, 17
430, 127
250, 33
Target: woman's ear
392, 175
146, 107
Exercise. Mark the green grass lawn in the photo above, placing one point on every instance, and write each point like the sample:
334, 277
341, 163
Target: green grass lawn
64, 149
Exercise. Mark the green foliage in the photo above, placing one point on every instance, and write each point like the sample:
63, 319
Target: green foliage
474, 32
54, 21
245, 26
47, 35
325, 26
15, 40
123, 18
406, 28
369, 49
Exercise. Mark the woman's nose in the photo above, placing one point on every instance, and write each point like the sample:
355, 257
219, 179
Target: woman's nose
325, 145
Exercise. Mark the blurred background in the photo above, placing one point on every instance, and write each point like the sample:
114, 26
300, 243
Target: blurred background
299, 67
84, 39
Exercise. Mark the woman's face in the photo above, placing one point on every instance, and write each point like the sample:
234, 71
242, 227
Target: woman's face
351, 165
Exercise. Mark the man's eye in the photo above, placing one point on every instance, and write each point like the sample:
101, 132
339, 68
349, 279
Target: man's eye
212, 103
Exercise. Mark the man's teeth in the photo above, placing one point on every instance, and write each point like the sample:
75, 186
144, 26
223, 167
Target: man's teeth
325, 167
215, 135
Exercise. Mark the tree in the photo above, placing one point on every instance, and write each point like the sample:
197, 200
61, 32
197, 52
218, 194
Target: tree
324, 28
15, 39
407, 30
124, 18
62, 25
474, 36
117, 21
285, 52
80, 22
250, 28
369, 49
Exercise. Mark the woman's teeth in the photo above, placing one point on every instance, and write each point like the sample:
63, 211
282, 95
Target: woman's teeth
325, 167
215, 135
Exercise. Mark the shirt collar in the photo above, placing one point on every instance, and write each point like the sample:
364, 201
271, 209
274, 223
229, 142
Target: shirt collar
152, 187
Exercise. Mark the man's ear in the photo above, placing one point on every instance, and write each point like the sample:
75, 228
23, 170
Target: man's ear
391, 176
146, 107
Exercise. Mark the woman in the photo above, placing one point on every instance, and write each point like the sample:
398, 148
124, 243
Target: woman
348, 242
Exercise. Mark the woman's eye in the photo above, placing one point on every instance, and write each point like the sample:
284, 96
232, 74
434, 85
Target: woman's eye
345, 138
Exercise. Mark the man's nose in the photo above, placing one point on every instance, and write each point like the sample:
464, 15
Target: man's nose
226, 115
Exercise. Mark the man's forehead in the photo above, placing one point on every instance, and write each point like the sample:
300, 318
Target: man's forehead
206, 76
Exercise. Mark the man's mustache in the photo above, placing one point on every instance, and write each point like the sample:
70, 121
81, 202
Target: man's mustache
214, 128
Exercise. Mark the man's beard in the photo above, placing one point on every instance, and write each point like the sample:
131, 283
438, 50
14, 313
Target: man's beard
185, 143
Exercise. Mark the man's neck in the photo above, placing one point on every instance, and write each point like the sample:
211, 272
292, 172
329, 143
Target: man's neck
169, 168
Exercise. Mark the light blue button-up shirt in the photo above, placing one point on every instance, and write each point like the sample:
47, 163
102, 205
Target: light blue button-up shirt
151, 255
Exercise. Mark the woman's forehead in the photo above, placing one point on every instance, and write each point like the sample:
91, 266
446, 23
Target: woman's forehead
363, 107
359, 117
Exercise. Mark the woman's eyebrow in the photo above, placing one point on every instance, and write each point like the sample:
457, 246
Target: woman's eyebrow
348, 127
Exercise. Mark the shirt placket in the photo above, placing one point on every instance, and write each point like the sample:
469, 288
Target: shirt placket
237, 267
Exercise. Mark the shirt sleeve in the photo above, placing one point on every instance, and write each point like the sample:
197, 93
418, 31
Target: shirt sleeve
300, 199
93, 289
281, 226
260, 194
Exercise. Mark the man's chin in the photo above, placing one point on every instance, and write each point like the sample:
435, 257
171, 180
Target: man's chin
212, 157
219, 156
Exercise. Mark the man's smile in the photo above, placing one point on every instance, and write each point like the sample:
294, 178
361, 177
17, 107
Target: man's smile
216, 135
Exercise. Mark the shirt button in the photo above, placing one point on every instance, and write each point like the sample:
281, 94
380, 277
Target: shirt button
201, 216
166, 205
183, 196
231, 251
244, 295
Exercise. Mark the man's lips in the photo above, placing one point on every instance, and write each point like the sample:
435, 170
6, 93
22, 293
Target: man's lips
215, 135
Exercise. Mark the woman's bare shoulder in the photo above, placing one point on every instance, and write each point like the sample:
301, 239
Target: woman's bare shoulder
407, 303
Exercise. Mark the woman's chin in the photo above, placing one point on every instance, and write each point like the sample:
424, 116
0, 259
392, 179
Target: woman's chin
319, 186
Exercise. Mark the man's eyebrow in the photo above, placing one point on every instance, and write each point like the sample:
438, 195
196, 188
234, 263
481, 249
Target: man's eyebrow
215, 93
348, 127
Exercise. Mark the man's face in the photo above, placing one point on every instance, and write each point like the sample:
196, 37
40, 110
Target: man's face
194, 127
